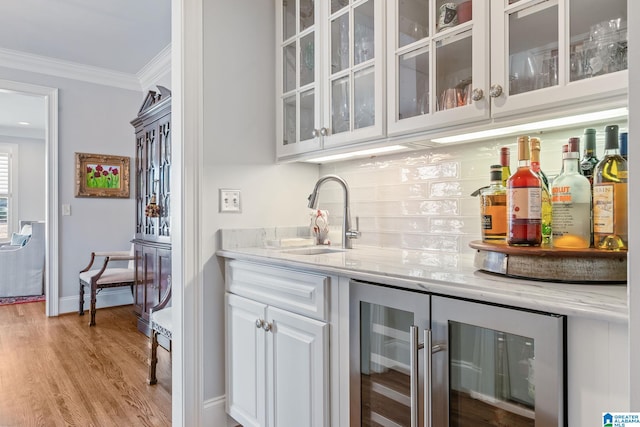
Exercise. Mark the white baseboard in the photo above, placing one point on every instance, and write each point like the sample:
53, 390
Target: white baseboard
106, 298
214, 414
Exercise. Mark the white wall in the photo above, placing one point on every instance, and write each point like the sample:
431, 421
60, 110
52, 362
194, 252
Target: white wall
92, 118
239, 134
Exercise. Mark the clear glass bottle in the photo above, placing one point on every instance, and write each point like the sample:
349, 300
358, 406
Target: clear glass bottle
610, 196
524, 201
547, 214
493, 208
505, 161
571, 201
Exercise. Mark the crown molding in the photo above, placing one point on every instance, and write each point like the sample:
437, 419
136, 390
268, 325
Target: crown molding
155, 69
67, 69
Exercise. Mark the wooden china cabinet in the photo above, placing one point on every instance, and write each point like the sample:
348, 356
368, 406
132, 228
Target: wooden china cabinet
153, 204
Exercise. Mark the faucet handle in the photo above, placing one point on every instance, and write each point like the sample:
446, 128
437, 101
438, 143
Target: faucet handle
354, 233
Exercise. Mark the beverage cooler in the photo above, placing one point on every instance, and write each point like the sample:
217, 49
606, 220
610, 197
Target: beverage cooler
488, 366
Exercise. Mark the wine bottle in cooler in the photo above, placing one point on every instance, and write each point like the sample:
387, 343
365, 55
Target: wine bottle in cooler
524, 201
610, 196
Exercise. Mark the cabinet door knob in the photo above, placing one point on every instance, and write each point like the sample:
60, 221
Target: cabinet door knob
266, 326
477, 94
323, 131
495, 91
259, 323
315, 133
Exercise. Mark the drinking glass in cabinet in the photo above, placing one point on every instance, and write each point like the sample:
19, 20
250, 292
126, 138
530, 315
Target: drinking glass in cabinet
413, 21
307, 66
598, 39
289, 125
340, 43
307, 15
533, 48
453, 68
413, 84
364, 29
340, 105
307, 114
364, 97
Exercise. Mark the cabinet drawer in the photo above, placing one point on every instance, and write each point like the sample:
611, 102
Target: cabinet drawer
295, 291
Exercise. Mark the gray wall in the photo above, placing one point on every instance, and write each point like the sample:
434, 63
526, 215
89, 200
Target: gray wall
92, 118
239, 135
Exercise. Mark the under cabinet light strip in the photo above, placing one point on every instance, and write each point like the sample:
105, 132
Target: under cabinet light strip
536, 126
361, 153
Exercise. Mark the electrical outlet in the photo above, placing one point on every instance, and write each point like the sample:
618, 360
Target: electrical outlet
230, 200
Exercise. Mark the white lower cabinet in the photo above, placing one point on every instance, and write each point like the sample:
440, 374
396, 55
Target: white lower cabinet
277, 359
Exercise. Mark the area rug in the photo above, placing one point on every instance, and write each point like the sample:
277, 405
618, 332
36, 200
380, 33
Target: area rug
21, 300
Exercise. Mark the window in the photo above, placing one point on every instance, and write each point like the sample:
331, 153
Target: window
8, 154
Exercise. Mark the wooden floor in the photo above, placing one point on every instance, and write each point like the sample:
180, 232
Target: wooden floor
58, 371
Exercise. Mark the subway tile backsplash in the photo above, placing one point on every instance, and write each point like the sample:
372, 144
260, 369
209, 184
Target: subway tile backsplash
422, 200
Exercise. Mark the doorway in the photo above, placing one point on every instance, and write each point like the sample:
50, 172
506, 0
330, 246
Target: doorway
50, 98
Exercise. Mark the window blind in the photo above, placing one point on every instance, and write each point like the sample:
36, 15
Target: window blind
4, 174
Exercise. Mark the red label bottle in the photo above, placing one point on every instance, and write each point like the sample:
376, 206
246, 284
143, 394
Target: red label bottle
524, 201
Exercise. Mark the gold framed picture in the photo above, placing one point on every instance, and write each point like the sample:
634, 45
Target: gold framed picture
100, 175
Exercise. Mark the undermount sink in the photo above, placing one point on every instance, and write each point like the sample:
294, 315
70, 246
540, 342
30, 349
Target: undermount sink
312, 251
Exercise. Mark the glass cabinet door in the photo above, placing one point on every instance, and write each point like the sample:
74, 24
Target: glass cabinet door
381, 321
437, 56
497, 366
298, 115
547, 53
354, 86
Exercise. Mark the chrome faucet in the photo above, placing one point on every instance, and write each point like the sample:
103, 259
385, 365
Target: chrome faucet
347, 232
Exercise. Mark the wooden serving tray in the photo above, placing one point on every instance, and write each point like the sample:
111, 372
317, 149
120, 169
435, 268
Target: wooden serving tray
552, 264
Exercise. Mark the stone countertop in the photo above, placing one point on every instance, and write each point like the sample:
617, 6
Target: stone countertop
450, 275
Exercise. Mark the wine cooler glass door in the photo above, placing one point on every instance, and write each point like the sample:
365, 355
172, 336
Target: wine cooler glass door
499, 366
381, 345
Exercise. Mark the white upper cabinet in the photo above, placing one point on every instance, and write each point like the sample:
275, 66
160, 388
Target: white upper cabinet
548, 54
438, 64
330, 76
298, 114
352, 71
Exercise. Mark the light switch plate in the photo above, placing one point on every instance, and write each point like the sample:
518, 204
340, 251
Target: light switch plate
230, 200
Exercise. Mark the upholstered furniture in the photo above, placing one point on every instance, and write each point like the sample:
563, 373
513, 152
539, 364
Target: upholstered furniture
22, 264
160, 317
105, 276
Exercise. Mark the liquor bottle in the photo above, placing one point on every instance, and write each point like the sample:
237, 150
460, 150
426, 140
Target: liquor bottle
524, 201
610, 196
571, 200
589, 159
505, 161
623, 145
493, 208
546, 193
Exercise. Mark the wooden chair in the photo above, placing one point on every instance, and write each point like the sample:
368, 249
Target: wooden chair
160, 318
105, 277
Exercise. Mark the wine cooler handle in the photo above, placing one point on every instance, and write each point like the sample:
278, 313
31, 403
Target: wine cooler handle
414, 349
428, 378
